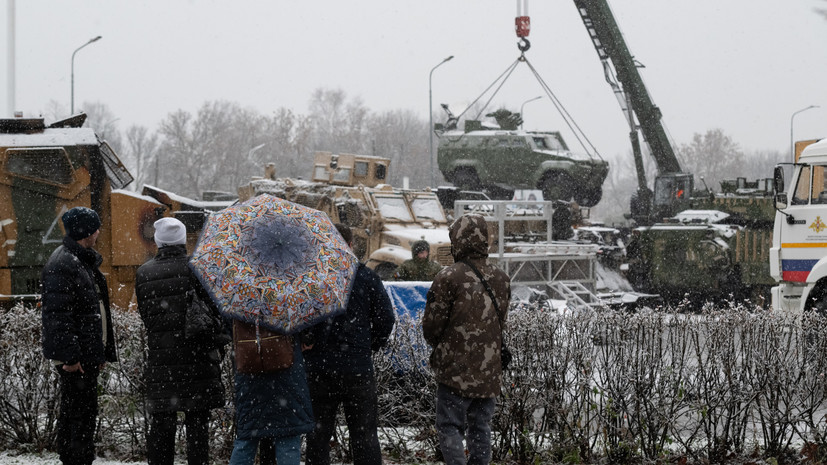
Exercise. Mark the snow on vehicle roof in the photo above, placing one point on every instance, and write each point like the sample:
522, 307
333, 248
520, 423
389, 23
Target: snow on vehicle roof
55, 137
701, 216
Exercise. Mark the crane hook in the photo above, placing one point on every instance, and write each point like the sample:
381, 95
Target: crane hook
523, 44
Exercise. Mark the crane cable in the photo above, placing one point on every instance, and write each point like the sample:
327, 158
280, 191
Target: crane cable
523, 28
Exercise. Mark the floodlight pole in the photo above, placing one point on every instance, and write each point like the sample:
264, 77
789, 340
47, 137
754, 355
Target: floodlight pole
521, 107
72, 104
431, 117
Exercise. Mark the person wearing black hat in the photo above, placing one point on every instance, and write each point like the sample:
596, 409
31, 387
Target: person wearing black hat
77, 331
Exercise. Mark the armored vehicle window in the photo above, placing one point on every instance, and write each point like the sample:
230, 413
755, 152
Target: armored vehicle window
393, 208
802, 187
360, 169
50, 165
540, 142
427, 208
342, 175
381, 171
320, 173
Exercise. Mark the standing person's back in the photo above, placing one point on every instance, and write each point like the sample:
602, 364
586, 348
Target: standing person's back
464, 327
340, 369
78, 334
181, 375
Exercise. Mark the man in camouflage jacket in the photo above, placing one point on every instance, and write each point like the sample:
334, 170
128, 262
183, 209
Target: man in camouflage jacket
465, 330
420, 267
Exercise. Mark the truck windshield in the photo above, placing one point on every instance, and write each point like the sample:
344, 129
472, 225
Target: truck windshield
393, 208
427, 208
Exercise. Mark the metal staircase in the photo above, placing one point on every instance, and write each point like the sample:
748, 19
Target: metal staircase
576, 295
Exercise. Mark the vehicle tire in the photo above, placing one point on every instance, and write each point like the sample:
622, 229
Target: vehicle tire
590, 198
385, 270
557, 186
466, 179
817, 301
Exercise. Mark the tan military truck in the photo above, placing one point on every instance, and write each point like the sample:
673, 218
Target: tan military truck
385, 220
45, 171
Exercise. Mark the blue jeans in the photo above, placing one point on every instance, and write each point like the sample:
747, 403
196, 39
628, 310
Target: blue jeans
461, 418
288, 450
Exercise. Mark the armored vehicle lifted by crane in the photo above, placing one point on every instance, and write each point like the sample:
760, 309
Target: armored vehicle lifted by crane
500, 160
351, 190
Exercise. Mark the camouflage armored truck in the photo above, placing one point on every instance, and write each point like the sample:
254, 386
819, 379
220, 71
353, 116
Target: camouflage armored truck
499, 161
385, 221
718, 250
45, 171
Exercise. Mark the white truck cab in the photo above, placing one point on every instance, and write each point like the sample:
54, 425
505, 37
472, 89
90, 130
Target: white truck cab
798, 257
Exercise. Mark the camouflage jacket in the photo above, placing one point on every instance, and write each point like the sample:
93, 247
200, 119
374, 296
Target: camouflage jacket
460, 322
417, 269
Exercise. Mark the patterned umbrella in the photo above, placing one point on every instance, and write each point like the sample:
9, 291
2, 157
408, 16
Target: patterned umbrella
275, 263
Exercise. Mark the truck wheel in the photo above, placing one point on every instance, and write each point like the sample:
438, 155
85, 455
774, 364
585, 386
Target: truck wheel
589, 199
466, 179
385, 270
557, 186
817, 301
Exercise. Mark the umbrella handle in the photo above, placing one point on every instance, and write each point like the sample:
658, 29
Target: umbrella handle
258, 339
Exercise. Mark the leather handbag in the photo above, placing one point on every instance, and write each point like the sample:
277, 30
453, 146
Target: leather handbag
259, 350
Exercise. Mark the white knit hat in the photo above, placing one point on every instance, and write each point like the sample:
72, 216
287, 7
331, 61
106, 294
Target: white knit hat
169, 231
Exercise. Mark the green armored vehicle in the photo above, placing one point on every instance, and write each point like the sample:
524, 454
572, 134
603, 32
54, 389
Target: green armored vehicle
718, 250
498, 161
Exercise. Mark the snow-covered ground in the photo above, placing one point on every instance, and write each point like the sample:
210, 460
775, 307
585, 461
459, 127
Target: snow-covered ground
8, 458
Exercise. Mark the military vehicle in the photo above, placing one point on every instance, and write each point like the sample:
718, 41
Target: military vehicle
385, 220
718, 251
45, 171
501, 159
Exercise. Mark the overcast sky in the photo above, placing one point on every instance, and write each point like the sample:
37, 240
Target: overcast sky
740, 65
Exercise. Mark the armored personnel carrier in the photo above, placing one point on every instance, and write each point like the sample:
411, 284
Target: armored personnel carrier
351, 190
498, 161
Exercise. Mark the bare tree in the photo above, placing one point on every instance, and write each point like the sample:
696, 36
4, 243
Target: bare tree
101, 118
210, 151
141, 156
713, 156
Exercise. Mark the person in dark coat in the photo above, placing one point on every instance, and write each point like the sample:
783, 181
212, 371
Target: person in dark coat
182, 375
78, 334
464, 326
340, 369
419, 267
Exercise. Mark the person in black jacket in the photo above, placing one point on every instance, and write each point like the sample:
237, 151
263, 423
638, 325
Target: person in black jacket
340, 368
182, 375
77, 331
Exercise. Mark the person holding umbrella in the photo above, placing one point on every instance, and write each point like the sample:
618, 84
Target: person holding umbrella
273, 265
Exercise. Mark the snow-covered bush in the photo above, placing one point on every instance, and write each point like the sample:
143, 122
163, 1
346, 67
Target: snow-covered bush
583, 387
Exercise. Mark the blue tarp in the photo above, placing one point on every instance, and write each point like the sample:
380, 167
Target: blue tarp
408, 297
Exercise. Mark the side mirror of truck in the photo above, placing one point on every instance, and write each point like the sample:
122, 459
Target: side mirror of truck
778, 179
778, 187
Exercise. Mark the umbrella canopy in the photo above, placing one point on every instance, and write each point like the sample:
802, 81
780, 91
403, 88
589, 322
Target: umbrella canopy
275, 263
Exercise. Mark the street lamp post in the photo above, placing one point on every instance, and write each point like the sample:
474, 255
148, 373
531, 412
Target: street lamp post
431, 116
72, 104
792, 143
521, 107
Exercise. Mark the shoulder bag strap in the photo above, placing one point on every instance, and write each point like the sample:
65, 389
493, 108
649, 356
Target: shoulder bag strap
487, 287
